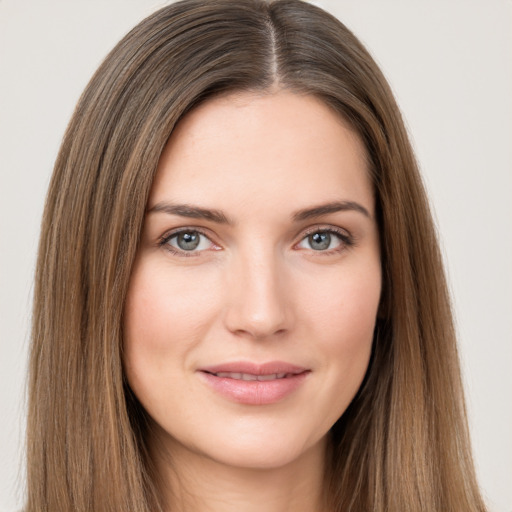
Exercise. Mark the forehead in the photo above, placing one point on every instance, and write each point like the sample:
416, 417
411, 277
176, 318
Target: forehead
269, 148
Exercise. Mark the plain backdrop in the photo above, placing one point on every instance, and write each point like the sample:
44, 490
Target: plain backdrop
449, 63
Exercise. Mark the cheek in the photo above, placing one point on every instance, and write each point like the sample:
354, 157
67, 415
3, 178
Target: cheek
163, 305
343, 318
346, 304
166, 315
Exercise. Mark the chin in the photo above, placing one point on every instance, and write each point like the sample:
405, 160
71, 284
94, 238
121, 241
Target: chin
262, 452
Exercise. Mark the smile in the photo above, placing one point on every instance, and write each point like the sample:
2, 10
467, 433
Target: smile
254, 384
250, 376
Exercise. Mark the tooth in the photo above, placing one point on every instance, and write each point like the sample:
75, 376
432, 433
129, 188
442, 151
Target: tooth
228, 375
271, 376
250, 376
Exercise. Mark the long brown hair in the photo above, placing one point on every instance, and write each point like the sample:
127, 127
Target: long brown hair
403, 442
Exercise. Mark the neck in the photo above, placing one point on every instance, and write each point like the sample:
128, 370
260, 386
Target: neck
194, 483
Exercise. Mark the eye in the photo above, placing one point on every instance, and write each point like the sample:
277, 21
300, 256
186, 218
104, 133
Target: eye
324, 240
187, 241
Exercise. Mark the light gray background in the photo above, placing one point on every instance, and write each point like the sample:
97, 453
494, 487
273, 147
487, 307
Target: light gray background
450, 65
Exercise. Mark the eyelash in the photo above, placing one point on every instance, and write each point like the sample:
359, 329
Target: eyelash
347, 240
164, 242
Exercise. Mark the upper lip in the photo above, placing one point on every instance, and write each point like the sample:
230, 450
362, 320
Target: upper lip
269, 368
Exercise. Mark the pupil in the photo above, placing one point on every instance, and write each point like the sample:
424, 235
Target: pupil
188, 241
320, 241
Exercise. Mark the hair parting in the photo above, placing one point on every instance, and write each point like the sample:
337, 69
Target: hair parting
403, 442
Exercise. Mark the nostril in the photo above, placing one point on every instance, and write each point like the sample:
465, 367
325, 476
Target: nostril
257, 300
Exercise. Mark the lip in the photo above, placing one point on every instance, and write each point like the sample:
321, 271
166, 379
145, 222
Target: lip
254, 392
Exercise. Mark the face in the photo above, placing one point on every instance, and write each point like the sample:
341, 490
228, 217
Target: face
253, 299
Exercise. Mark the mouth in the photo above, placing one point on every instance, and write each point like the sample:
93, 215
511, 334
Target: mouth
254, 384
251, 376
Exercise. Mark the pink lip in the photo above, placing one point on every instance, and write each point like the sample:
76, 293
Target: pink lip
254, 392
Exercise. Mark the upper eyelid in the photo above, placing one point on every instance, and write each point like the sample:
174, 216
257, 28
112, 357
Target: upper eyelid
163, 242
342, 232
176, 231
304, 231
324, 228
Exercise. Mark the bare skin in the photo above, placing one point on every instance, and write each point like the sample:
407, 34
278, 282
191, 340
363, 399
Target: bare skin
260, 251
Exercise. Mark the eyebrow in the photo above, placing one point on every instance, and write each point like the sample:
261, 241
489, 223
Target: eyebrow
214, 215
333, 207
192, 212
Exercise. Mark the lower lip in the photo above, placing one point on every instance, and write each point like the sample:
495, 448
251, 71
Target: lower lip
254, 392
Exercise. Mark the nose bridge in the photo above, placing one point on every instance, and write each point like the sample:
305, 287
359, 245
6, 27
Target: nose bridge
258, 297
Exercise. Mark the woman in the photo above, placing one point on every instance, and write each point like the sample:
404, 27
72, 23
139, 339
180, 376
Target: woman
239, 297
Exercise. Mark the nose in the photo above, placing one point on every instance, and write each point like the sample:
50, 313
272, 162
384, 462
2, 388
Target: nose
258, 298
